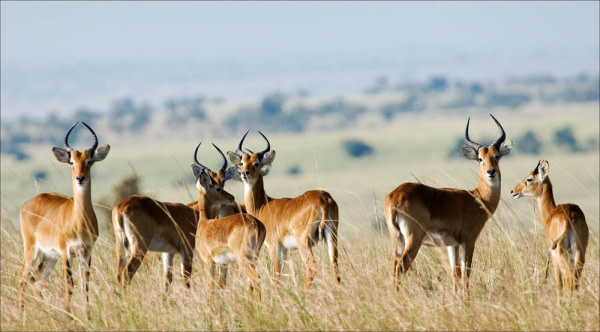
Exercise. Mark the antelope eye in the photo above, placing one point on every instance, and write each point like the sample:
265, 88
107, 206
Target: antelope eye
496, 157
255, 164
529, 180
218, 189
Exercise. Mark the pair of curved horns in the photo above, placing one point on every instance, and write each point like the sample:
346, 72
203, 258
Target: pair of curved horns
94, 146
223, 166
475, 145
239, 150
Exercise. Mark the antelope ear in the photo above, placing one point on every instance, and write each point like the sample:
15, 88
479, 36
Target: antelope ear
469, 152
235, 158
204, 179
62, 154
505, 147
232, 173
544, 169
268, 158
197, 170
265, 169
101, 152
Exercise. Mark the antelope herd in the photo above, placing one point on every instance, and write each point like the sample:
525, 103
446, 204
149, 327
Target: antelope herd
222, 232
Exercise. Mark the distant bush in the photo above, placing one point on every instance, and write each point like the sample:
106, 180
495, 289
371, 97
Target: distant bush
294, 170
564, 137
40, 174
510, 100
272, 105
412, 103
129, 185
125, 115
528, 143
356, 148
437, 83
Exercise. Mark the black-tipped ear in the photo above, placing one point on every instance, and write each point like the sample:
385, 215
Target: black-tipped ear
232, 173
469, 152
61, 154
268, 158
197, 170
235, 158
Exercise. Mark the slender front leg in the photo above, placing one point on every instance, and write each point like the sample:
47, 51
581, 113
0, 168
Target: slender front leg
466, 261
86, 263
167, 259
68, 278
455, 265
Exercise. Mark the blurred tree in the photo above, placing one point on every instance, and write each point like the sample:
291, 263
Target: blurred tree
356, 148
564, 137
437, 83
272, 104
529, 143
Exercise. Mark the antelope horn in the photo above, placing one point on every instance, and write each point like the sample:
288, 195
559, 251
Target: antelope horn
468, 141
502, 135
239, 150
93, 148
224, 165
66, 141
261, 154
204, 168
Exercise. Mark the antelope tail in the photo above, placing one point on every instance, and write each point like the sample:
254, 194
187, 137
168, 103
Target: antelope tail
560, 237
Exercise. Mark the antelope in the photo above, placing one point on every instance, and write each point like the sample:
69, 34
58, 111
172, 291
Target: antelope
565, 227
55, 226
292, 223
417, 214
220, 241
142, 224
220, 177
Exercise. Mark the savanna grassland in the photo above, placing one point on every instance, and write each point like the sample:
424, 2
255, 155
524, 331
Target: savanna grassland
508, 291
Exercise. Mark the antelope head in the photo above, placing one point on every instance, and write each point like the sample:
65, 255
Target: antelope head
252, 166
488, 157
81, 161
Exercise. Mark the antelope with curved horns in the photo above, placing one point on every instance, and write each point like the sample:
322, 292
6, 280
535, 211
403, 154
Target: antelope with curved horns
566, 230
221, 176
292, 223
417, 214
56, 227
220, 241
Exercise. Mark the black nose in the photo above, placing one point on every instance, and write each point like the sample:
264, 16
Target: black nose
246, 173
80, 179
491, 172
511, 191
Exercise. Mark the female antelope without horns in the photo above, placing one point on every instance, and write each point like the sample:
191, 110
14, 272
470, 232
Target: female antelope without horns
417, 214
565, 227
220, 241
55, 226
292, 223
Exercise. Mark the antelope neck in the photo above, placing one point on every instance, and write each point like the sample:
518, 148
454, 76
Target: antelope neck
205, 208
546, 200
488, 193
255, 196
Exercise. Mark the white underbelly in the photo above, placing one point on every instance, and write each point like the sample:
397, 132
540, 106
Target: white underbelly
224, 258
289, 242
49, 252
439, 239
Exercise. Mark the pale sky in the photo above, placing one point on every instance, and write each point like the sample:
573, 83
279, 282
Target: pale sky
101, 31
61, 55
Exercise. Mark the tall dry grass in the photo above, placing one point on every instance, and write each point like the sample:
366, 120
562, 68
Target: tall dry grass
508, 291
